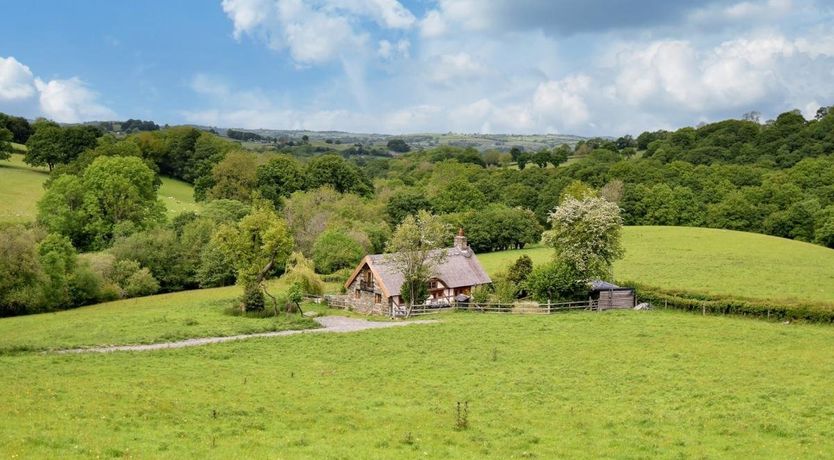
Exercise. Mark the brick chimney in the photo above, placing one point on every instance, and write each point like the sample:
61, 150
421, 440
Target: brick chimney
460, 241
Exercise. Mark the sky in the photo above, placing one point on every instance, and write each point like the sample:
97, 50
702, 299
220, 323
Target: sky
592, 67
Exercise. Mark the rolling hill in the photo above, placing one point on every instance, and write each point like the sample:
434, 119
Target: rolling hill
22, 187
712, 261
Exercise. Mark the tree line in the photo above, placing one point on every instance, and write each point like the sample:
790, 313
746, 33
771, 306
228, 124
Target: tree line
775, 178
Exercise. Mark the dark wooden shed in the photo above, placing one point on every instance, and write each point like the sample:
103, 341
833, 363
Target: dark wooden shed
611, 296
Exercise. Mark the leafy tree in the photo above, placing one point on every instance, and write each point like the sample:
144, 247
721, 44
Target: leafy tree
57, 257
160, 251
516, 153
334, 250
520, 270
336, 172
300, 272
541, 158
522, 160
404, 203
5, 144
21, 270
586, 235
398, 145
113, 191
235, 177
414, 252
225, 211
459, 195
279, 178
119, 189
18, 126
560, 155
259, 242
51, 145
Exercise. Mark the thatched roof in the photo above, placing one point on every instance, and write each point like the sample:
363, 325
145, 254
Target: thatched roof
460, 269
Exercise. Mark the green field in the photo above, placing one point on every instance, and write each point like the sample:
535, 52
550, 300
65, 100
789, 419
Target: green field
617, 384
711, 261
152, 319
178, 196
23, 187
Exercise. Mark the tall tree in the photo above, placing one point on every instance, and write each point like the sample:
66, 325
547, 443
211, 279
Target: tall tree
259, 242
586, 234
415, 251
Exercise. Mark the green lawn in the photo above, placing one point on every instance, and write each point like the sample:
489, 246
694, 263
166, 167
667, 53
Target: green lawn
711, 261
23, 187
159, 318
577, 385
178, 196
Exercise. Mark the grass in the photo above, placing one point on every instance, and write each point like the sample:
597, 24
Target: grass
710, 261
178, 196
577, 385
159, 318
23, 187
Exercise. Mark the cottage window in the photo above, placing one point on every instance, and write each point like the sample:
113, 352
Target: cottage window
377, 298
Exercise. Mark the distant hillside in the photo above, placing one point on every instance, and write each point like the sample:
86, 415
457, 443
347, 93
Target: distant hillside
502, 142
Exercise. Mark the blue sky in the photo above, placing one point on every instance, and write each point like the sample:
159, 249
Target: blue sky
499, 66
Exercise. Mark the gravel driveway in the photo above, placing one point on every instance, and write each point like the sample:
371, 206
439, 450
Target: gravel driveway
328, 323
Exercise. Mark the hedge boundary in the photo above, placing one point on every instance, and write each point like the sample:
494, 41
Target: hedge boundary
783, 310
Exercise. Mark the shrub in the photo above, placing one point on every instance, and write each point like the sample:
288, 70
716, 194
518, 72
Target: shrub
300, 270
334, 250
728, 305
141, 283
253, 298
557, 280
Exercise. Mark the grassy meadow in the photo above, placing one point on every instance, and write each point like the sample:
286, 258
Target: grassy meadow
23, 187
576, 385
152, 319
711, 261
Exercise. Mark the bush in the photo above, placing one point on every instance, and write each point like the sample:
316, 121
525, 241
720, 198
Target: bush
141, 283
300, 270
557, 280
334, 250
727, 305
253, 298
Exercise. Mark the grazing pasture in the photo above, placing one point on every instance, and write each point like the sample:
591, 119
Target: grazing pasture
711, 261
23, 187
152, 319
614, 384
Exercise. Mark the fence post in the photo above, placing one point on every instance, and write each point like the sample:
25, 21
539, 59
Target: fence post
548, 306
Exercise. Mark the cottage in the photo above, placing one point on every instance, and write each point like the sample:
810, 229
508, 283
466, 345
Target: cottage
374, 286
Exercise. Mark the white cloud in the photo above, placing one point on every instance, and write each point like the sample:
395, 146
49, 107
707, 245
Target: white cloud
388, 50
71, 101
563, 100
67, 101
314, 32
450, 67
16, 80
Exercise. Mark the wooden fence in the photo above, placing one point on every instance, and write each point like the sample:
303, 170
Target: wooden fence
519, 307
